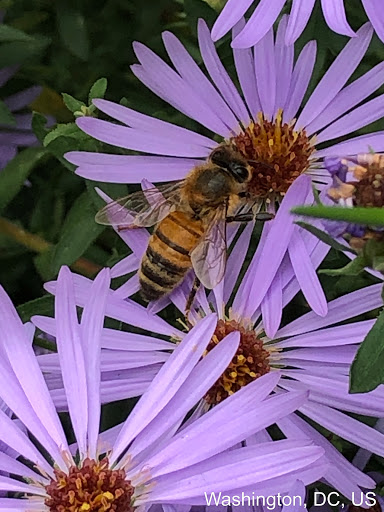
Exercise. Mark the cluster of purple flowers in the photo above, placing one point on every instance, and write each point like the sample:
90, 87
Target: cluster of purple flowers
233, 400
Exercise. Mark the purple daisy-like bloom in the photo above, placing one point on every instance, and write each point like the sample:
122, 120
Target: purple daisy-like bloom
20, 134
267, 12
151, 459
312, 354
262, 126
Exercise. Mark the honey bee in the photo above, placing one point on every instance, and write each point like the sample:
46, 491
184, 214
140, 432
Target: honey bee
190, 217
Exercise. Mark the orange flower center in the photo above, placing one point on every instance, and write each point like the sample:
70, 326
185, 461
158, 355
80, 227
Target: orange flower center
277, 153
250, 361
90, 488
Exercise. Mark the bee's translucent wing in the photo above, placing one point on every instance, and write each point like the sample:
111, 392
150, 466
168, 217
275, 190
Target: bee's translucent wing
209, 257
142, 209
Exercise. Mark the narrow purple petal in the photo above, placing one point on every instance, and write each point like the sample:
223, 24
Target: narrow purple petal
301, 75
125, 266
245, 69
133, 168
334, 392
348, 334
346, 427
236, 261
166, 383
25, 367
343, 308
170, 86
374, 10
265, 70
153, 125
306, 274
126, 311
229, 16
275, 247
129, 288
361, 116
22, 505
272, 306
236, 469
341, 474
23, 98
219, 75
191, 73
202, 377
138, 140
11, 435
11, 465
361, 144
20, 138
11, 485
337, 75
348, 97
91, 327
334, 14
259, 23
284, 64
298, 19
68, 339
112, 339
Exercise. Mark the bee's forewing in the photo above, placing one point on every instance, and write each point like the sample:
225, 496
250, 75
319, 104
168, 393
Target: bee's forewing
144, 208
209, 257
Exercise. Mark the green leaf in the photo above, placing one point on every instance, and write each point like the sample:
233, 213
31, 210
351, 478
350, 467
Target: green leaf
6, 116
42, 306
98, 90
39, 123
367, 370
196, 9
78, 232
324, 237
13, 176
13, 34
63, 130
353, 268
73, 30
366, 216
43, 264
72, 103
18, 52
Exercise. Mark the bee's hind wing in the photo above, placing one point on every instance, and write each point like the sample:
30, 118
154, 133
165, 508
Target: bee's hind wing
143, 208
209, 257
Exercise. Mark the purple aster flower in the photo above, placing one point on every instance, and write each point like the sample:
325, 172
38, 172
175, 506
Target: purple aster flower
151, 460
263, 128
267, 12
20, 134
312, 354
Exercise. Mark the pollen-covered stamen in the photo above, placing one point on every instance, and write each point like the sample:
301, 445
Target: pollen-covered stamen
277, 153
250, 361
91, 487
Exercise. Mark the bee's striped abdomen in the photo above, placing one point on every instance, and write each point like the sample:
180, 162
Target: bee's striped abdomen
167, 258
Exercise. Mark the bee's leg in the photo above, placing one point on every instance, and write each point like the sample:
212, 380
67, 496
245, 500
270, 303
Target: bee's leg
249, 216
125, 228
191, 298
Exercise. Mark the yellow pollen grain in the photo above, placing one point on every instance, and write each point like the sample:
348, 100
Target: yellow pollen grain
85, 506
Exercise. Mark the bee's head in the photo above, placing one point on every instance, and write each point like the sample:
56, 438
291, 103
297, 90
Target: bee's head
231, 161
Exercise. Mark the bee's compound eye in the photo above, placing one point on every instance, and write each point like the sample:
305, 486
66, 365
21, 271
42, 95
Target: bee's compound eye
240, 172
219, 157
